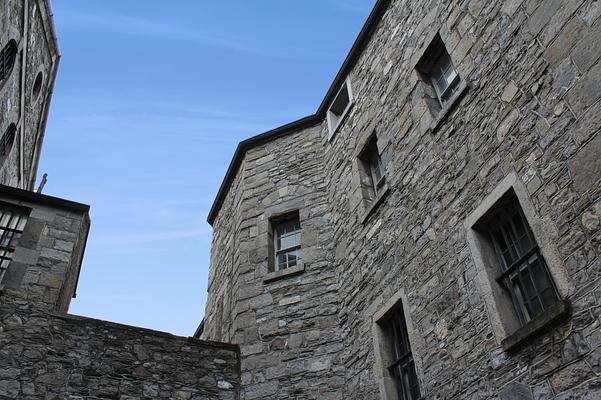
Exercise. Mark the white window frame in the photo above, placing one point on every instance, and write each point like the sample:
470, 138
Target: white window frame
335, 119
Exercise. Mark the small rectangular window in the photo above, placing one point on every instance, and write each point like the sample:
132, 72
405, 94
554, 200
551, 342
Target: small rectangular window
437, 67
287, 243
373, 163
339, 107
522, 269
400, 363
12, 223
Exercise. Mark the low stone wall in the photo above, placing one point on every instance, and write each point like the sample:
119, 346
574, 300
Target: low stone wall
53, 356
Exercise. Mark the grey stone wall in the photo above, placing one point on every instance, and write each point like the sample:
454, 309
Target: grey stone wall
531, 109
30, 24
58, 356
285, 326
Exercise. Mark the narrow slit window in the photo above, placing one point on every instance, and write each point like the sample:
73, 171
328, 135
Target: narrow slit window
12, 223
373, 163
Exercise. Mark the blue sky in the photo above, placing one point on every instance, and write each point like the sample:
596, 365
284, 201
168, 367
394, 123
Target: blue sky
150, 103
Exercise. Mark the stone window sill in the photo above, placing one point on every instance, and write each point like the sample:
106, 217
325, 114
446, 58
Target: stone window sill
345, 114
285, 273
449, 105
375, 203
554, 314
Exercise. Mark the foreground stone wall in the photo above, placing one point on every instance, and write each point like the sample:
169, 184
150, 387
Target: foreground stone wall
57, 356
531, 110
29, 24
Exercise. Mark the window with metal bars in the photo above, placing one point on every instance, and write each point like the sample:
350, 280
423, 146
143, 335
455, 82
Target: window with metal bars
400, 365
6, 142
523, 271
373, 163
12, 222
8, 56
287, 243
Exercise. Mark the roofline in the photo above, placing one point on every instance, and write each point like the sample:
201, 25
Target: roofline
38, 198
364, 35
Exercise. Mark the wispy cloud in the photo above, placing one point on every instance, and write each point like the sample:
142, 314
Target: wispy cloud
137, 26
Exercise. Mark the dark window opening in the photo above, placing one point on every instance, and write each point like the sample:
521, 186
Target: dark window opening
401, 365
523, 272
373, 165
6, 142
37, 86
8, 55
286, 242
437, 68
12, 223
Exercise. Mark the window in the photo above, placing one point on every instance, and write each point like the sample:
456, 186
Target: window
6, 142
399, 360
37, 86
8, 56
523, 272
287, 243
373, 165
12, 223
339, 107
438, 71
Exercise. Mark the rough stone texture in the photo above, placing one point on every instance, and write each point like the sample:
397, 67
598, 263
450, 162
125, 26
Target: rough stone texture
38, 52
62, 357
532, 108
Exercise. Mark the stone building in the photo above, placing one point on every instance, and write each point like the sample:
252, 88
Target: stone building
46, 353
433, 229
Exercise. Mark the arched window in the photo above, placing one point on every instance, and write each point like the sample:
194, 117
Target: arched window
8, 55
6, 143
37, 86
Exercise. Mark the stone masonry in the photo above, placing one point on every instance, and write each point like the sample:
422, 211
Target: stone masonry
528, 118
46, 353
30, 25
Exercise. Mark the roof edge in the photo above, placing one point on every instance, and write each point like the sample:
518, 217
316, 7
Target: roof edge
243, 146
362, 39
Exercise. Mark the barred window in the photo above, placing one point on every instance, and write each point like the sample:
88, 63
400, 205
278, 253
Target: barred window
8, 55
287, 243
523, 271
12, 223
400, 365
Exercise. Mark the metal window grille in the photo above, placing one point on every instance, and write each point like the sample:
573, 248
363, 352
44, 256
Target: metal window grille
11, 228
524, 273
7, 140
402, 366
444, 77
287, 244
8, 56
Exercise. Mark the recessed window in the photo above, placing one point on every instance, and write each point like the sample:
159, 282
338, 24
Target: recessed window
522, 271
6, 142
437, 68
8, 56
286, 235
37, 86
339, 107
12, 223
373, 164
397, 357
